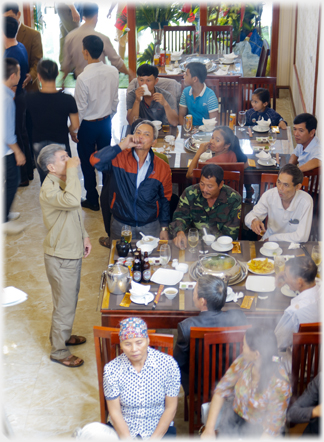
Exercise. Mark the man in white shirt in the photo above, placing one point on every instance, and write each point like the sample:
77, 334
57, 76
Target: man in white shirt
305, 308
289, 209
96, 95
307, 153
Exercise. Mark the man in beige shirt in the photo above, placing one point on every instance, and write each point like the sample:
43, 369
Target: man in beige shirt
64, 246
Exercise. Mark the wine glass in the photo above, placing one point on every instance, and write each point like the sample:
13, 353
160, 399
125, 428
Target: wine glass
187, 124
279, 264
241, 119
193, 238
272, 138
126, 232
316, 255
165, 254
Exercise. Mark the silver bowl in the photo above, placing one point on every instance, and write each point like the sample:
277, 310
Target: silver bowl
221, 265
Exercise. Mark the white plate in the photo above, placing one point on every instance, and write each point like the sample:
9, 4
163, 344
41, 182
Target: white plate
257, 129
260, 283
285, 290
271, 163
142, 300
260, 259
266, 252
167, 276
218, 248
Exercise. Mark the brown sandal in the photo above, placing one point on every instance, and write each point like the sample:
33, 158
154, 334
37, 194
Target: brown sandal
77, 340
105, 241
70, 361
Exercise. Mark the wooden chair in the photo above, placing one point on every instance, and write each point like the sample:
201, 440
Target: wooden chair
196, 358
107, 347
305, 361
311, 327
216, 39
263, 60
231, 178
247, 85
177, 38
315, 192
231, 167
268, 180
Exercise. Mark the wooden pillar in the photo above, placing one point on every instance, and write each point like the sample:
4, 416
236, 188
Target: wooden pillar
132, 50
27, 14
203, 14
274, 40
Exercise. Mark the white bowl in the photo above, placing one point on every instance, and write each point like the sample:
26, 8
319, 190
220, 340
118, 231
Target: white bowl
182, 267
224, 241
208, 239
149, 240
146, 248
170, 292
157, 124
271, 246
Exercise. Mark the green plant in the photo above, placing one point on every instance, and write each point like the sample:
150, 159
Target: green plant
147, 56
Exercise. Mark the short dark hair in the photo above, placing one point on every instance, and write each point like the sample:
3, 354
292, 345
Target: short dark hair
94, 45
213, 170
11, 7
294, 171
90, 10
47, 69
263, 95
302, 267
10, 27
309, 120
213, 290
145, 70
10, 67
197, 70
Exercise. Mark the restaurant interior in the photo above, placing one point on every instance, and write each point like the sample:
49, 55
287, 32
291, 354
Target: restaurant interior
43, 400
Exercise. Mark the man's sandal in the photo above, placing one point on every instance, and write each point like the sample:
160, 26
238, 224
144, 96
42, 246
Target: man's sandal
76, 340
70, 361
105, 241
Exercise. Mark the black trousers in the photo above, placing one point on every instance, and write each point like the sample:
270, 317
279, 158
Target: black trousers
27, 169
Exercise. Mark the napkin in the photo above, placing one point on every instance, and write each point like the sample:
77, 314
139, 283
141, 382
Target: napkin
232, 296
230, 56
264, 155
146, 91
294, 245
262, 122
205, 156
175, 71
220, 72
208, 121
139, 289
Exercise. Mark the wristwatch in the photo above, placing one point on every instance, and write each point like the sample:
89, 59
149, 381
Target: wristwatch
164, 229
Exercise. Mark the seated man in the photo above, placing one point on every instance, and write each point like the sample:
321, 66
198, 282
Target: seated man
158, 105
308, 408
210, 204
308, 150
197, 100
209, 297
289, 209
140, 184
305, 308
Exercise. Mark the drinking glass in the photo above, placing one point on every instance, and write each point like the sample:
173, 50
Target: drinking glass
165, 254
126, 232
241, 119
272, 138
279, 264
193, 238
187, 124
316, 255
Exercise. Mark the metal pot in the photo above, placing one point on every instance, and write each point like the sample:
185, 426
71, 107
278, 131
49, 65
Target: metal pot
229, 268
118, 279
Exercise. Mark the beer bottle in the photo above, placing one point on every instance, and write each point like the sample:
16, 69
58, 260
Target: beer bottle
146, 273
137, 268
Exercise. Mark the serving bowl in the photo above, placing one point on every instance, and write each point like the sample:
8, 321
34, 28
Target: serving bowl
222, 265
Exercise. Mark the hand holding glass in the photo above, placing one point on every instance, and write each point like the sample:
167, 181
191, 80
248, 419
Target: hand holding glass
193, 238
241, 119
126, 232
165, 254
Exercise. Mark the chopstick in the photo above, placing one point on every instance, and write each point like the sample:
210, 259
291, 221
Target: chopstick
305, 250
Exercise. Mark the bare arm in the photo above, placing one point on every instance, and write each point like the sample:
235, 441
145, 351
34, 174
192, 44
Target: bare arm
170, 113
311, 164
74, 126
167, 417
19, 155
193, 165
182, 113
134, 111
293, 159
214, 114
215, 407
117, 418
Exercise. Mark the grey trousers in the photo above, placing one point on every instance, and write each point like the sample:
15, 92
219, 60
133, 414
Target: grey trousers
150, 229
64, 277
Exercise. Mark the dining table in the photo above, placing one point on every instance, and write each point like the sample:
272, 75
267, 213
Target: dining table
258, 304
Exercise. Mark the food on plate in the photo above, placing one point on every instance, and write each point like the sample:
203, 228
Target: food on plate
261, 266
217, 263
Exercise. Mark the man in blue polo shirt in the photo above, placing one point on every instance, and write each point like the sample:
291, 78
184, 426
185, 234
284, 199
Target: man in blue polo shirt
307, 154
197, 99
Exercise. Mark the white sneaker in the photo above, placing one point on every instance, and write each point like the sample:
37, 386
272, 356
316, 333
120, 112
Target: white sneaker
13, 227
13, 215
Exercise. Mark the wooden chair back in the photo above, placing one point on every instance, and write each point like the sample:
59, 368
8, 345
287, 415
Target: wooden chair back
107, 347
231, 167
177, 38
268, 180
213, 84
263, 60
196, 371
314, 189
231, 178
247, 85
228, 99
305, 360
216, 39
311, 327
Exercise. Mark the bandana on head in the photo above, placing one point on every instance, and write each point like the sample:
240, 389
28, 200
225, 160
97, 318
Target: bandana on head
132, 328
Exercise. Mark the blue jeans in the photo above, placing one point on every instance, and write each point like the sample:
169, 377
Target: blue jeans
11, 182
92, 135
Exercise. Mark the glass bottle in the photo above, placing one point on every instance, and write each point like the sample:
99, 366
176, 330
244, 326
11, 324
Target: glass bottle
137, 268
146, 270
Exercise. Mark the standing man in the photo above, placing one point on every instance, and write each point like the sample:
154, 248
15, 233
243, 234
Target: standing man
64, 246
96, 95
73, 60
32, 41
307, 154
70, 17
12, 154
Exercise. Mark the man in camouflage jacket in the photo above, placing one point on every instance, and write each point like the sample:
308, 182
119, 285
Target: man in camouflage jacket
209, 204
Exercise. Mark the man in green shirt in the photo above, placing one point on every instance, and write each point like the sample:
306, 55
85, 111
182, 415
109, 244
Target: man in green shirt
209, 204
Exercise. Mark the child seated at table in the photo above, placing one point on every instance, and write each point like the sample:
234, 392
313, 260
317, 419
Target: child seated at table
197, 99
261, 109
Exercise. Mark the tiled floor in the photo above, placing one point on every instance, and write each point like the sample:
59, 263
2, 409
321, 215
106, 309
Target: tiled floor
42, 399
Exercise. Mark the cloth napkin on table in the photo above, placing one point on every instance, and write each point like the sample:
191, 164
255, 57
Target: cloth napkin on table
138, 289
222, 71
232, 296
175, 71
294, 245
230, 56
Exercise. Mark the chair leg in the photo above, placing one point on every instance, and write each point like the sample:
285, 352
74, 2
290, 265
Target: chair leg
186, 411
